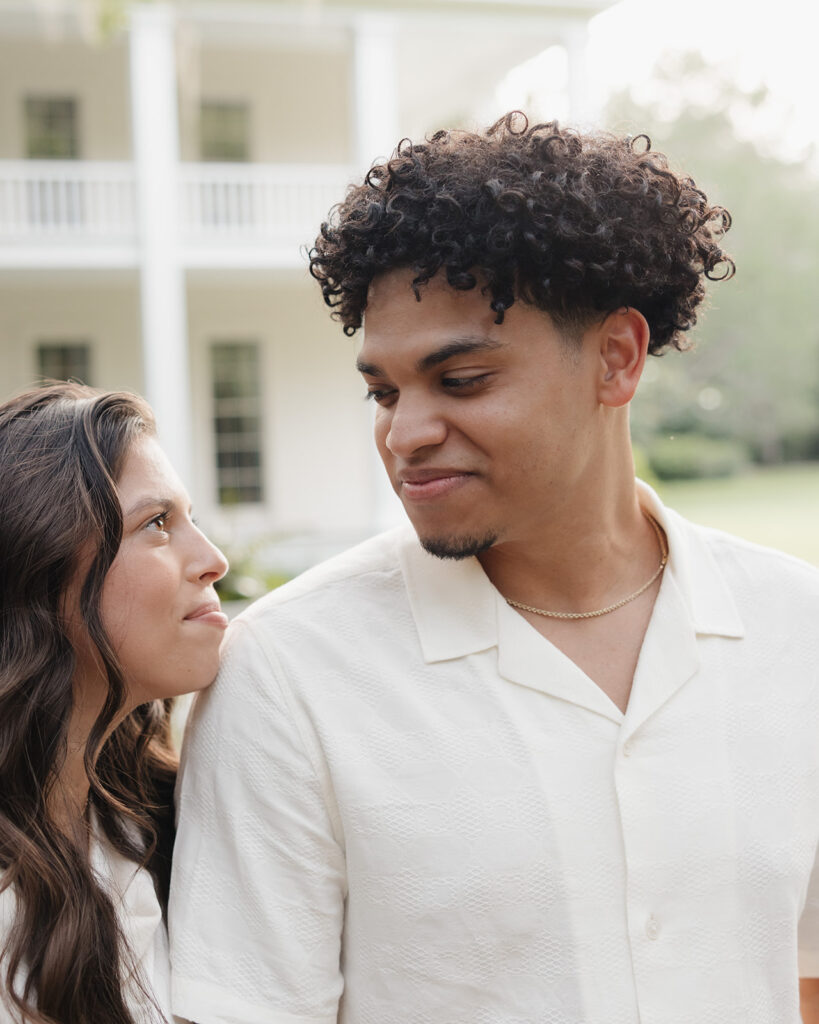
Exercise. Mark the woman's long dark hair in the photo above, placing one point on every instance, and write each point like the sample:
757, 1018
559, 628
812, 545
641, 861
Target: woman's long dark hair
62, 449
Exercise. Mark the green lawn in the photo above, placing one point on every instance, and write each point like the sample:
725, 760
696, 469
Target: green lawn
778, 506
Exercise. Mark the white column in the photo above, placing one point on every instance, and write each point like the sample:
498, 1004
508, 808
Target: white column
575, 40
375, 105
375, 88
162, 281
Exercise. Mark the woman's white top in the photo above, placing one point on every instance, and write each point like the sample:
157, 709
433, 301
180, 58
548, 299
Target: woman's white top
132, 890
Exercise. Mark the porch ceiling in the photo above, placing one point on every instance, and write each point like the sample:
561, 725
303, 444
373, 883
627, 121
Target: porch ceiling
307, 20
468, 68
65, 18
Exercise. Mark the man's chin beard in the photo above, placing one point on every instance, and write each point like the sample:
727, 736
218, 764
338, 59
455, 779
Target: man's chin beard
458, 547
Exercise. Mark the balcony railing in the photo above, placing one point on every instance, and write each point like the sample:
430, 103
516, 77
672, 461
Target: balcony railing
66, 200
274, 204
51, 202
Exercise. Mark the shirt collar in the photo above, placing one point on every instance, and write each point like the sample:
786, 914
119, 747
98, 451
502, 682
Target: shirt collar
455, 605
452, 601
704, 590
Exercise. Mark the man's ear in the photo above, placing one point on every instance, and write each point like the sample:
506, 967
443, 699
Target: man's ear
623, 339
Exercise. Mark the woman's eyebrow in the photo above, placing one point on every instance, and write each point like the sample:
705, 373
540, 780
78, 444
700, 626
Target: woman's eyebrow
149, 502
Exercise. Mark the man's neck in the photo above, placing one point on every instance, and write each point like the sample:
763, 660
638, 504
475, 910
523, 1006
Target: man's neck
602, 552
586, 553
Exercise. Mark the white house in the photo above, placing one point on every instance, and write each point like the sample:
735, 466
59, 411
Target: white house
158, 184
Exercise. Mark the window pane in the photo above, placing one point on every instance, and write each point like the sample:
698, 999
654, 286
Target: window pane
237, 422
67, 361
223, 132
51, 128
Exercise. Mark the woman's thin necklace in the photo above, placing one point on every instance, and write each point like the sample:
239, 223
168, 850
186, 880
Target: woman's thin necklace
612, 607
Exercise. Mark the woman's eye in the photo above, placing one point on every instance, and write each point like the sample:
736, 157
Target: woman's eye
159, 523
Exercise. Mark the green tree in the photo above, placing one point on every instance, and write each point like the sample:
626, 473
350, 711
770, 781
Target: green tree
754, 371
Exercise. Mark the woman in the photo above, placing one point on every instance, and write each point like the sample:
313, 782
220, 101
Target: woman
107, 610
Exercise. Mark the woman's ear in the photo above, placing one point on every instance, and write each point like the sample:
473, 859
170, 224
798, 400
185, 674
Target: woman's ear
623, 339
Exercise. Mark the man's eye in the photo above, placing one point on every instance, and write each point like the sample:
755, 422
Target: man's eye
380, 395
463, 383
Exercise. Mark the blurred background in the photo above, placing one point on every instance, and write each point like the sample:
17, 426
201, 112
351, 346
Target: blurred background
164, 166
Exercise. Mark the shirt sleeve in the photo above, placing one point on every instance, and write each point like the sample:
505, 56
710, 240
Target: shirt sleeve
258, 888
809, 928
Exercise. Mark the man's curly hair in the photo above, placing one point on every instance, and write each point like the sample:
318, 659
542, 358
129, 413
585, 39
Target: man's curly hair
576, 224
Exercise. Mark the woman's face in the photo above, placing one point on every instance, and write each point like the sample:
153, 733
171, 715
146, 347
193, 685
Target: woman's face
158, 603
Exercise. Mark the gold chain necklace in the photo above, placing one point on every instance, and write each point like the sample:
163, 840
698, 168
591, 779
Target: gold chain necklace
611, 607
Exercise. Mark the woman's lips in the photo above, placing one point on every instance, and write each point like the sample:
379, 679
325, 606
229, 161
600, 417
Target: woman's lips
209, 614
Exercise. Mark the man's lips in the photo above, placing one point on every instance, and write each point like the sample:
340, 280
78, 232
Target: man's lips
210, 613
421, 484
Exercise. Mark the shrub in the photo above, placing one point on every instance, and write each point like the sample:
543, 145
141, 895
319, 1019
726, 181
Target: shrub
642, 466
693, 456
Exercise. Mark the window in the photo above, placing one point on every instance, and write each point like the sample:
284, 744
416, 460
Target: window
65, 361
51, 128
237, 422
223, 132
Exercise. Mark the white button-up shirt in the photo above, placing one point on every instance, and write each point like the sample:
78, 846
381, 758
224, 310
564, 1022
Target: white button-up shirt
400, 804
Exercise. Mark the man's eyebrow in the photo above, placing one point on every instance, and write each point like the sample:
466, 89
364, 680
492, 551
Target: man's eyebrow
369, 368
456, 347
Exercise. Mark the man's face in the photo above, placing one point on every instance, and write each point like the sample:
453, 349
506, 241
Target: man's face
485, 430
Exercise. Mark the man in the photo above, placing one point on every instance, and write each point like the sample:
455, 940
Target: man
551, 755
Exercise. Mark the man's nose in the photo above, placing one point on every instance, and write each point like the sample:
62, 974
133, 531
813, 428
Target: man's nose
415, 423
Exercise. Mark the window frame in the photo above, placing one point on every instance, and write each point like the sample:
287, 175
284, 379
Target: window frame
53, 345
245, 479
47, 133
226, 150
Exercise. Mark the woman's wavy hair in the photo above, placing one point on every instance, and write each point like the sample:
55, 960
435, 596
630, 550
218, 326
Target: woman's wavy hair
576, 224
62, 449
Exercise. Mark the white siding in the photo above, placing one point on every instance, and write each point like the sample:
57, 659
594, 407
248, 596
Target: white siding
100, 308
318, 468
97, 75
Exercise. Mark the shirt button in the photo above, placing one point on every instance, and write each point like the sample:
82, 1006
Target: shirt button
652, 928
628, 748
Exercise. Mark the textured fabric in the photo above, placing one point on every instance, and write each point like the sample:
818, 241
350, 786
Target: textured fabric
401, 805
132, 891
147, 964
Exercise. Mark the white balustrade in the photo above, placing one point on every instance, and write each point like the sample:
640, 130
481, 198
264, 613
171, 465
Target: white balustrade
86, 202
71, 200
276, 204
